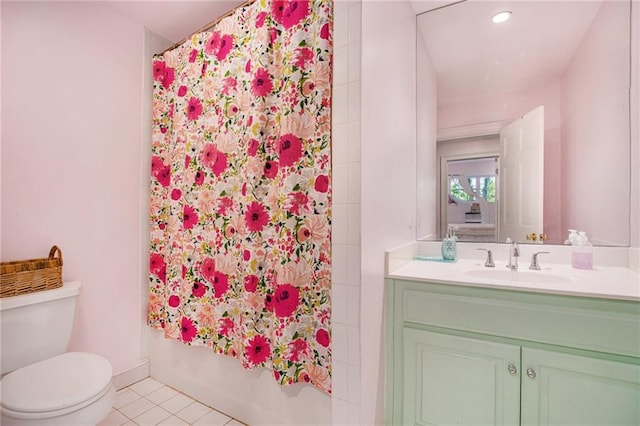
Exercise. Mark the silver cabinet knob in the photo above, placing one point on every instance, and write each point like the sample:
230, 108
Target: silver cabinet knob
512, 369
531, 373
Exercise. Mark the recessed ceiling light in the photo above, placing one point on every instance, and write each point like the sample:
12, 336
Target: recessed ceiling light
501, 16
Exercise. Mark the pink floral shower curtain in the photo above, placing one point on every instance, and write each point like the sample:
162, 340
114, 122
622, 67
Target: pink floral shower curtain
241, 190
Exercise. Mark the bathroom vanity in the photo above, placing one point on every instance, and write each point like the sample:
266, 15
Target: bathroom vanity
474, 345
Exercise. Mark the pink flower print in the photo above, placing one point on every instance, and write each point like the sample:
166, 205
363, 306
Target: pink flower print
176, 194
164, 176
322, 183
261, 85
224, 204
182, 90
208, 268
289, 150
232, 110
286, 300
246, 255
270, 169
189, 217
159, 70
198, 289
303, 234
308, 88
296, 349
225, 326
193, 55
303, 56
157, 266
214, 159
187, 161
289, 12
169, 76
219, 45
256, 217
199, 179
324, 32
260, 19
258, 350
229, 232
194, 108
160, 171
156, 164
220, 284
252, 148
322, 337
296, 201
187, 329
229, 84
174, 301
251, 283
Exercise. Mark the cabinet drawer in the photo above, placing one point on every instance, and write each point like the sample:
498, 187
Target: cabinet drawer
596, 325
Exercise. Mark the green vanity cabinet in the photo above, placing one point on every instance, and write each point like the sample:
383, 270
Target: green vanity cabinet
482, 356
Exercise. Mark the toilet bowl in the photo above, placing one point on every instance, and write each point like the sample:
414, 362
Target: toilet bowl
41, 383
70, 389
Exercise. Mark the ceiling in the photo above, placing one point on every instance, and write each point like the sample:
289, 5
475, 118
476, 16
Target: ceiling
174, 20
472, 56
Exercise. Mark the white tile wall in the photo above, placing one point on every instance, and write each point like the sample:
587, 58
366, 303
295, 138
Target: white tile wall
346, 213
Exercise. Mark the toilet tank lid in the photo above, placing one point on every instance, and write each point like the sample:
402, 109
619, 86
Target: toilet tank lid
56, 383
68, 289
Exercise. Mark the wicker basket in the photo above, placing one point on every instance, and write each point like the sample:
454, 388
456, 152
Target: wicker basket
28, 276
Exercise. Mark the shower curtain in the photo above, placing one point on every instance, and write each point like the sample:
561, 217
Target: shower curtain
241, 190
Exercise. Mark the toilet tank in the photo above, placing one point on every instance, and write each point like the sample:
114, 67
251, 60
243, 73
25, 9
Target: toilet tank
36, 326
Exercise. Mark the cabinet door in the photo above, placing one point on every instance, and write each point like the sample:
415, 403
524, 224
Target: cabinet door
456, 380
563, 389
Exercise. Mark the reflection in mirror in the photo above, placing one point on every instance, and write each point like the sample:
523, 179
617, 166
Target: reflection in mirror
568, 63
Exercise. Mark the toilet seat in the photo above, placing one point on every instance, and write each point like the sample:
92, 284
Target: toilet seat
56, 386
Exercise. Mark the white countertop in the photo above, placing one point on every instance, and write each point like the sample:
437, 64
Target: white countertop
606, 282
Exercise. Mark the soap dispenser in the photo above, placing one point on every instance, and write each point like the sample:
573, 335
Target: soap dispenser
582, 252
449, 249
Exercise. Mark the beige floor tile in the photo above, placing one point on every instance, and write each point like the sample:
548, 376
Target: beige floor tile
213, 418
177, 403
125, 397
173, 421
193, 412
136, 408
161, 395
152, 417
146, 386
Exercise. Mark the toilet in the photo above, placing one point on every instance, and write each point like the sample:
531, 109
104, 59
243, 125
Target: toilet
41, 383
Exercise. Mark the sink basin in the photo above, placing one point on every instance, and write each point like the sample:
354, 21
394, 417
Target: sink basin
533, 277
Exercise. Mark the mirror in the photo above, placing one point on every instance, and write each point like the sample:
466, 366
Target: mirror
476, 78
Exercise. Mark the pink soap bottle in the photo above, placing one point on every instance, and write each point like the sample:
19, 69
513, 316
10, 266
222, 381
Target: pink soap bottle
582, 253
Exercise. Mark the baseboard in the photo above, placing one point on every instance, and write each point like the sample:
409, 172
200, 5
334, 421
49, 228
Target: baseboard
132, 375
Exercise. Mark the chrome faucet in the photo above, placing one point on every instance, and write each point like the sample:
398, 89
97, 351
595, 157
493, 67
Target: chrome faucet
489, 262
514, 253
534, 260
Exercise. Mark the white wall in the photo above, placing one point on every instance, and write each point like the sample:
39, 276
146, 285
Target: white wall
71, 152
635, 125
595, 131
388, 173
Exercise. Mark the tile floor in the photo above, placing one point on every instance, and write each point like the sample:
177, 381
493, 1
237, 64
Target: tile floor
151, 403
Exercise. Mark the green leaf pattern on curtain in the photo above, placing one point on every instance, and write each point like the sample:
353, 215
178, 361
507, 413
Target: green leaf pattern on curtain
241, 191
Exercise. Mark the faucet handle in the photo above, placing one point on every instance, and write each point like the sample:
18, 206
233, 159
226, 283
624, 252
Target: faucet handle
534, 260
489, 262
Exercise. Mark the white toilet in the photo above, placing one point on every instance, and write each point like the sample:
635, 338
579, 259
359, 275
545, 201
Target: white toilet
42, 384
